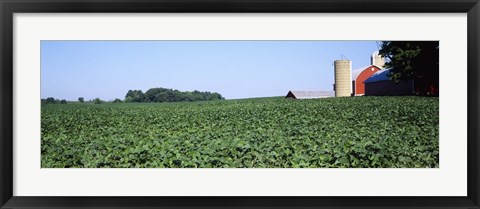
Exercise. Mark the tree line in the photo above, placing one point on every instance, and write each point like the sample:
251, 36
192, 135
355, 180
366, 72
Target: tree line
170, 95
52, 100
152, 95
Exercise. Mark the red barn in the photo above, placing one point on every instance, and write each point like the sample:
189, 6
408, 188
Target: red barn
359, 76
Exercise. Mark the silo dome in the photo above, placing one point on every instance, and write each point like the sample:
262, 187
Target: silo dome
378, 60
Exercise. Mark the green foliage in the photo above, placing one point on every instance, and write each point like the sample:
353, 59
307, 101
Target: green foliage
170, 95
358, 132
50, 100
81, 100
418, 60
135, 96
117, 100
97, 101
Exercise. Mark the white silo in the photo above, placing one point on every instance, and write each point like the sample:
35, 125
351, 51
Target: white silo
343, 78
378, 60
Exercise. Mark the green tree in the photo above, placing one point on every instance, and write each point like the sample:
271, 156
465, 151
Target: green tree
117, 100
135, 96
417, 60
63, 101
97, 101
81, 100
170, 95
50, 100
155, 95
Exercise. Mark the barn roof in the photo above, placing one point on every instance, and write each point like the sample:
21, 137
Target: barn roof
312, 94
381, 75
356, 72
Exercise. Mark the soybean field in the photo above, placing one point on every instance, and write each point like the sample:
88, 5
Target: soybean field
353, 132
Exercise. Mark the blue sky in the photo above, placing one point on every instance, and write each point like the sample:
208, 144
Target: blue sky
235, 69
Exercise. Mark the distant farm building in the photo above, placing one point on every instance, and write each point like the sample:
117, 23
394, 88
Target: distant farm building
309, 94
379, 84
369, 80
359, 76
350, 83
372, 80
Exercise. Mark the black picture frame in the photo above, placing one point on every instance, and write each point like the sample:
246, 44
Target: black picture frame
9, 7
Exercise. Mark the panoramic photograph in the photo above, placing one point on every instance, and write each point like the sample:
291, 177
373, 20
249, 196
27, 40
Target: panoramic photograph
239, 104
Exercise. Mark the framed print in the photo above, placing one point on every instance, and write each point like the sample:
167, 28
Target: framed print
239, 104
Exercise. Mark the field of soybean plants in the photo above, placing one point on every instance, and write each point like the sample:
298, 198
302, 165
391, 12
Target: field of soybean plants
355, 132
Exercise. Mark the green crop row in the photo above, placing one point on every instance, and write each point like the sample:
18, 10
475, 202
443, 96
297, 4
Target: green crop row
356, 132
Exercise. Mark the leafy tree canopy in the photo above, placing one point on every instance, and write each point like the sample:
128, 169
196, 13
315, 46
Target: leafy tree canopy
134, 96
50, 100
97, 101
170, 95
417, 60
